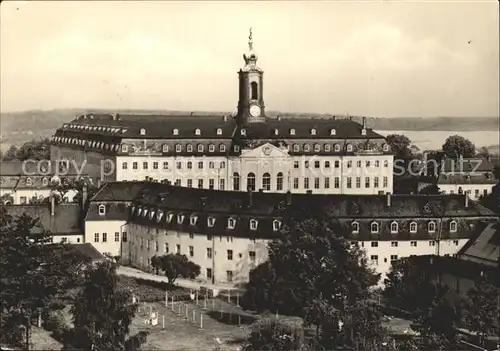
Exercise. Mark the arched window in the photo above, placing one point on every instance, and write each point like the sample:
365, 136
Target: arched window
374, 228
333, 132
453, 226
251, 181
253, 224
197, 132
292, 131
296, 147
394, 227
317, 147
413, 227
178, 148
189, 148
431, 227
222, 165
279, 181
327, 147
307, 147
337, 147
236, 181
222, 148
231, 223
276, 225
102, 210
313, 131
349, 148
211, 165
211, 148
255, 94
266, 182
219, 131
200, 147
355, 227
175, 131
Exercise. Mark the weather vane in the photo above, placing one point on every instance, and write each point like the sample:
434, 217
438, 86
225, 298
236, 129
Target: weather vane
250, 43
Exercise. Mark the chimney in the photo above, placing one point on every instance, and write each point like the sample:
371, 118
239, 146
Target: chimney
388, 198
364, 122
278, 118
52, 206
288, 197
466, 201
334, 117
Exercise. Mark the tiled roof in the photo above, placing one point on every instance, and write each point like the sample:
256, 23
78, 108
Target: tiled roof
119, 191
162, 127
88, 250
467, 165
485, 248
466, 179
66, 219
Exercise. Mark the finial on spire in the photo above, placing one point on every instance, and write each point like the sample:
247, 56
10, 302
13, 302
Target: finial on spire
250, 41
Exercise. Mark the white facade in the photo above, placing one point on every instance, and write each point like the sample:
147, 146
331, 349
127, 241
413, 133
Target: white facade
272, 168
106, 236
68, 239
474, 191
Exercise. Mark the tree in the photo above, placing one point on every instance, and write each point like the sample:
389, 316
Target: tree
480, 308
271, 334
314, 272
10, 154
33, 272
176, 266
400, 144
103, 313
456, 146
31, 150
63, 186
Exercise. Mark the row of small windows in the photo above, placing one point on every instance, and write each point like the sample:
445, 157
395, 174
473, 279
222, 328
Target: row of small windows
348, 164
95, 128
327, 147
88, 143
105, 237
375, 227
189, 148
178, 165
193, 219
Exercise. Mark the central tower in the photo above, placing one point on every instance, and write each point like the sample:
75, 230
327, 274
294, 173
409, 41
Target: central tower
251, 107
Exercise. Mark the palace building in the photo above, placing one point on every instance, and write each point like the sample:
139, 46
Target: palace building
226, 232
247, 150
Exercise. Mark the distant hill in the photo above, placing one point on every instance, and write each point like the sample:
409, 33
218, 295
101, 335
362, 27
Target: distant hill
17, 127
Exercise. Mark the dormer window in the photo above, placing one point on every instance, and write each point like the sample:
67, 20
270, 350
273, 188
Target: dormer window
431, 227
169, 217
222, 148
333, 132
253, 224
193, 219
413, 227
243, 132
200, 147
317, 148
349, 147
189, 148
374, 228
313, 131
165, 148
219, 131
292, 131
151, 214
139, 211
102, 210
210, 222
276, 132
231, 223
236, 148
178, 148
355, 227
327, 147
363, 131
211, 148
276, 225
453, 226
337, 147
394, 228
386, 147
180, 218
307, 148
296, 147
29, 182
142, 131
197, 132
145, 212
159, 216
175, 132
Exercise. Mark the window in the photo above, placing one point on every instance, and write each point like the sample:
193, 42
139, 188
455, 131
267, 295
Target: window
222, 184
117, 236
189, 148
243, 132
102, 210
313, 131
316, 183
367, 182
317, 148
306, 183
336, 147
431, 227
375, 182
165, 165
349, 148
229, 276
191, 251
358, 182
177, 249
231, 223
104, 237
189, 183
124, 237
394, 244
307, 148
96, 237
432, 243
276, 225
367, 164
413, 227
209, 252
211, 165
124, 148
453, 226
374, 259
22, 200
327, 147
230, 254
355, 227
377, 163
142, 131
197, 132
413, 243
336, 182
178, 148
236, 181
279, 181
165, 148
145, 165
296, 147
254, 87
157, 246
337, 164
327, 183
386, 163
253, 224
29, 181
358, 164
211, 183
200, 148
155, 165
316, 164
333, 132
394, 227
394, 258
177, 182
236, 148
211, 221
306, 164
251, 255
211, 148
295, 183
349, 164
295, 164
455, 242
251, 181
124, 165
374, 227
209, 273
209, 237
349, 182
166, 248
222, 165
292, 131
190, 165
385, 182
266, 181
374, 244
193, 219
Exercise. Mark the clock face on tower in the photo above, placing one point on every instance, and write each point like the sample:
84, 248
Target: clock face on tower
254, 110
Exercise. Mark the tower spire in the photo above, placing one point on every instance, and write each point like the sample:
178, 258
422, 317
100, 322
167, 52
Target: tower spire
250, 57
250, 40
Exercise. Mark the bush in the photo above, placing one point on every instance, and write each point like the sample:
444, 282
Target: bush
55, 322
271, 334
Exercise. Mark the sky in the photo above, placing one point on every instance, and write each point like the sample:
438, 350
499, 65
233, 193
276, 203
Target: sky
380, 59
